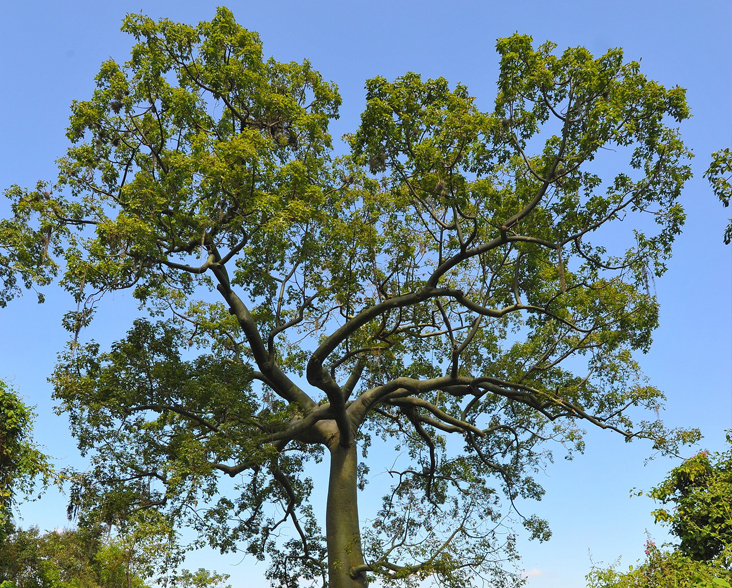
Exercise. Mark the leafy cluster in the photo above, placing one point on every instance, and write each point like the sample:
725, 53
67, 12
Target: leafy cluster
700, 490
662, 569
719, 175
21, 462
86, 557
62, 559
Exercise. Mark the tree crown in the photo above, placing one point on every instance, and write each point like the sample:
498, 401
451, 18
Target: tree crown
451, 277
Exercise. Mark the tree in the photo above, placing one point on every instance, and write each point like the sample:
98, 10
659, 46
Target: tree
58, 559
88, 557
21, 461
460, 288
719, 175
701, 491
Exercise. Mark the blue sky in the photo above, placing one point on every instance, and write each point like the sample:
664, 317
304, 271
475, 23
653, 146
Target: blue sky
50, 52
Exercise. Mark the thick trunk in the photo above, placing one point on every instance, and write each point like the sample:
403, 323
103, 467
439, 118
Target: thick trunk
341, 520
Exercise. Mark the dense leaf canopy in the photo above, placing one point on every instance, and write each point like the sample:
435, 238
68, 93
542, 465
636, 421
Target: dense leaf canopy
464, 285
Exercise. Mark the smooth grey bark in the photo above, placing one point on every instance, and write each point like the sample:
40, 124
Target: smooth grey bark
341, 520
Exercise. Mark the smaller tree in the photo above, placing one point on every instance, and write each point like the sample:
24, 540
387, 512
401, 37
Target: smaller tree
80, 558
87, 557
19, 557
21, 462
699, 494
700, 491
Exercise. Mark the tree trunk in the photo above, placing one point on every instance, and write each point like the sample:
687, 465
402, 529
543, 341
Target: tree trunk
341, 519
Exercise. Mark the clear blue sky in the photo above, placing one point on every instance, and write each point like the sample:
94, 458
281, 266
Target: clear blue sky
50, 52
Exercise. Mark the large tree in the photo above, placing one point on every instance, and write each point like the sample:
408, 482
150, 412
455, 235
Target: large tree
460, 288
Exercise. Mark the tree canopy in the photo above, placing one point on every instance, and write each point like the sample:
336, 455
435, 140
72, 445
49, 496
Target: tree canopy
461, 287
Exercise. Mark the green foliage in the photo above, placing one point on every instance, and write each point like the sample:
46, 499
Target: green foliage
663, 569
201, 578
81, 558
88, 557
701, 491
21, 462
719, 175
448, 287
27, 253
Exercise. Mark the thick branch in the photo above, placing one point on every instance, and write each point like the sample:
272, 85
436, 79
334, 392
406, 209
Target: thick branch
280, 383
